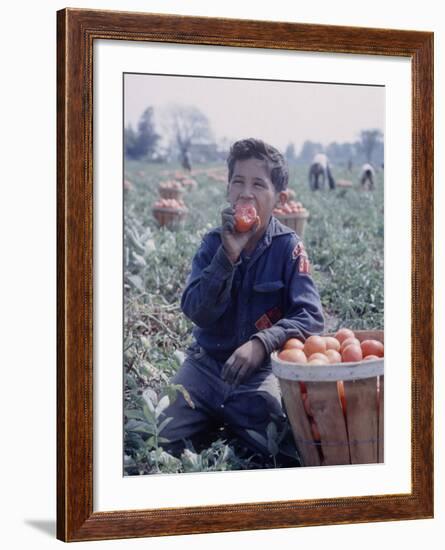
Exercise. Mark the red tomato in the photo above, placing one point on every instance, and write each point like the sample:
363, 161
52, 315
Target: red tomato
332, 343
245, 217
352, 353
347, 341
292, 355
344, 333
372, 347
318, 359
293, 343
314, 344
333, 356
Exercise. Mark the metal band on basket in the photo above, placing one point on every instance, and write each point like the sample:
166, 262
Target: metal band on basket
325, 443
327, 373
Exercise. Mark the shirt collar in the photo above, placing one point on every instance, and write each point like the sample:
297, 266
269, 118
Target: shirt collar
274, 229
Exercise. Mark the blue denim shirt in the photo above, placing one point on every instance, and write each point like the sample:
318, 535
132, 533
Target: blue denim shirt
270, 296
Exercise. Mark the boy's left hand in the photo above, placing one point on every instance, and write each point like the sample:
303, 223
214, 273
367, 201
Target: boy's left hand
243, 362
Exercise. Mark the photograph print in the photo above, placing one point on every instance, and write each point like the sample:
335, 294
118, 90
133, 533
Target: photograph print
253, 264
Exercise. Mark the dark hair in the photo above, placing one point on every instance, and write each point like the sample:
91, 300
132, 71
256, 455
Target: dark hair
256, 148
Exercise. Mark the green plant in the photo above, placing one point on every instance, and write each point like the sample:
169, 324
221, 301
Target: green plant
278, 442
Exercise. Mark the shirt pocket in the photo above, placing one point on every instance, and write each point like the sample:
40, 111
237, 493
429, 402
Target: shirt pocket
270, 286
267, 300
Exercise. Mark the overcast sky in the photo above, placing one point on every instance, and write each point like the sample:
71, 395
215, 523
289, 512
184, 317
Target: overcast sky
277, 112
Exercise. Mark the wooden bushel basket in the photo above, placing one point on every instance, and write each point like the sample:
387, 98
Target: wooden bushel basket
344, 183
169, 217
296, 221
356, 437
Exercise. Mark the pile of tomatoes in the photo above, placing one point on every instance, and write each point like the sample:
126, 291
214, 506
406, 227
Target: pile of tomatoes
289, 207
184, 180
344, 347
341, 348
173, 204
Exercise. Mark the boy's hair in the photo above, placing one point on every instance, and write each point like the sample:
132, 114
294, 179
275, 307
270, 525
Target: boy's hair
256, 148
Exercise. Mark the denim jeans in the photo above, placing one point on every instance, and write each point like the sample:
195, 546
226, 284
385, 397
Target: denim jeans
217, 404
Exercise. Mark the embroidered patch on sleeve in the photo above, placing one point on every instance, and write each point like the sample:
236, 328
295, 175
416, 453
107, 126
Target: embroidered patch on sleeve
300, 253
298, 250
304, 265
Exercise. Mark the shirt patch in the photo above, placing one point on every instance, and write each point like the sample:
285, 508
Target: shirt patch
299, 250
263, 322
269, 318
274, 314
304, 265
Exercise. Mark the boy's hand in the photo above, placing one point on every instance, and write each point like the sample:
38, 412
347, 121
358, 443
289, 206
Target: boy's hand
232, 241
243, 362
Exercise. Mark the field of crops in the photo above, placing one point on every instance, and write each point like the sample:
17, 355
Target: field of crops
344, 239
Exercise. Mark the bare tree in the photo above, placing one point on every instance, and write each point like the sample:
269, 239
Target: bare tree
187, 126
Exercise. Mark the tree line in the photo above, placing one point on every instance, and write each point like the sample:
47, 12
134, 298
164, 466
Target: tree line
368, 147
186, 135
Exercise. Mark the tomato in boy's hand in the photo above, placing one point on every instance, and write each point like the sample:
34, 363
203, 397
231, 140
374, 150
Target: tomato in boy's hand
245, 217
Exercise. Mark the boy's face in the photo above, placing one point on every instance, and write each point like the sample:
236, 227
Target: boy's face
251, 184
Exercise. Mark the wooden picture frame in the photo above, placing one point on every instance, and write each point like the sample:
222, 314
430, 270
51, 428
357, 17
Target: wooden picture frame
77, 31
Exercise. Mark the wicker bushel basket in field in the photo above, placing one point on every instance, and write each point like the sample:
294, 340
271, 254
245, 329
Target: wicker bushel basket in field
336, 411
169, 217
296, 221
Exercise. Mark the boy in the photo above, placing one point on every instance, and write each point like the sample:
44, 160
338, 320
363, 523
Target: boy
247, 294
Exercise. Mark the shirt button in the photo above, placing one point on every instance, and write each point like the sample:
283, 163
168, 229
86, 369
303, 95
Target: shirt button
222, 406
